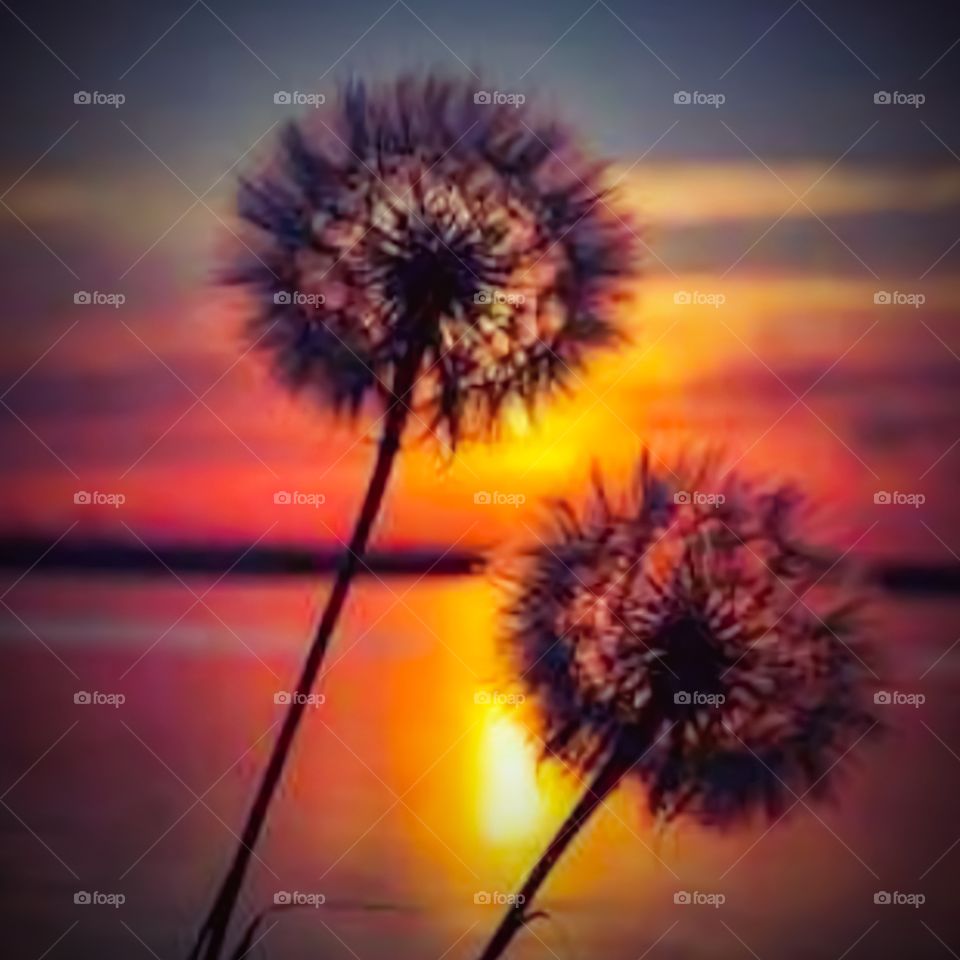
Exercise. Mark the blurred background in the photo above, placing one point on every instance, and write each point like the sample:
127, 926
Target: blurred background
797, 171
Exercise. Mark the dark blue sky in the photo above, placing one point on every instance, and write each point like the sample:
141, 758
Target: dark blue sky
798, 79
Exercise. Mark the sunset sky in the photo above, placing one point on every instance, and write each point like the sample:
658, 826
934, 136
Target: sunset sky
799, 309
796, 201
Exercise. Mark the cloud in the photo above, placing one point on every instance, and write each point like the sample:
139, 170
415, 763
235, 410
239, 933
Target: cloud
682, 194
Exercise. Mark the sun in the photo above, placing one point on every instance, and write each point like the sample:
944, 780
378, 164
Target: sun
512, 802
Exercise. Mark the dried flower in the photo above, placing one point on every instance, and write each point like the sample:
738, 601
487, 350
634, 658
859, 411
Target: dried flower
414, 220
686, 629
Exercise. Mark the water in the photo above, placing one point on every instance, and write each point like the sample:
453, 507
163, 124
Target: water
409, 799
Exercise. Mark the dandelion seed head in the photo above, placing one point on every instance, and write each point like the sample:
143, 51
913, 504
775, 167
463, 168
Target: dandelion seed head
702, 640
412, 218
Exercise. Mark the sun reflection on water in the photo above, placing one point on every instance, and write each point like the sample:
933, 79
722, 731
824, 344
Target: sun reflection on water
511, 800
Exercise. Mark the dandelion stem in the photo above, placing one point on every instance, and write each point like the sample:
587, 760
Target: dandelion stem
605, 781
212, 935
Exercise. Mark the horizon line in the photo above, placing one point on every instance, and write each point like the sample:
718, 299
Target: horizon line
115, 556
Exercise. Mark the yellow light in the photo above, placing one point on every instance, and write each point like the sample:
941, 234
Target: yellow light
517, 418
511, 802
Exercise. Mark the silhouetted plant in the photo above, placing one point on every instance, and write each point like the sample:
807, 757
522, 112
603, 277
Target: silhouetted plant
686, 640
428, 256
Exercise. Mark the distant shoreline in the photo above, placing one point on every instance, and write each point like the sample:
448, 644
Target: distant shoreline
124, 558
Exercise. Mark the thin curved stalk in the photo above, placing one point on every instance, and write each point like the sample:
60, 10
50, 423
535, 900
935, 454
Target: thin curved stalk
212, 935
517, 915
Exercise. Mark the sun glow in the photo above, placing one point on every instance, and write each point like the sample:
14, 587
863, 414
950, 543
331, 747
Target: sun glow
511, 798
